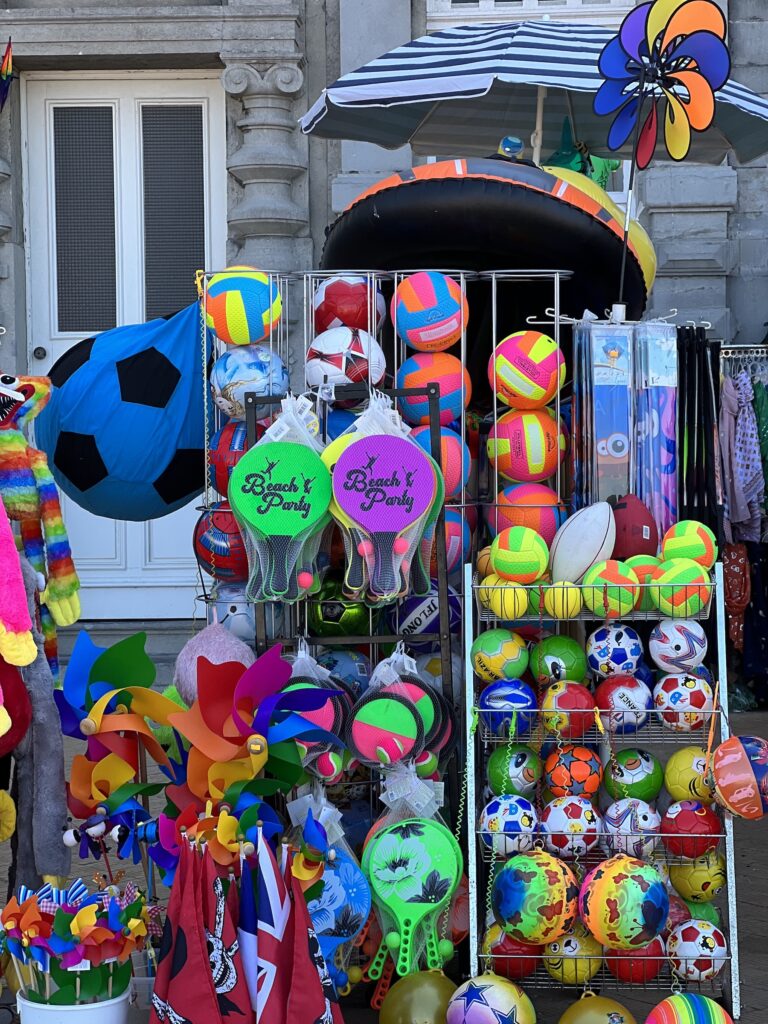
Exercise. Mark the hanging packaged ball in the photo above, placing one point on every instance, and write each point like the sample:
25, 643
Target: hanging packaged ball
429, 311
526, 370
526, 447
425, 368
519, 554
680, 588
692, 540
242, 305
534, 897
740, 773
610, 589
556, 658
513, 769
533, 505
632, 772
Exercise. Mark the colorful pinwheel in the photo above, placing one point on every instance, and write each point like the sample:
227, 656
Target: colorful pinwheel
671, 54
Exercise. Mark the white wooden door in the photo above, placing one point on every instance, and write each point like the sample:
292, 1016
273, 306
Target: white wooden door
125, 197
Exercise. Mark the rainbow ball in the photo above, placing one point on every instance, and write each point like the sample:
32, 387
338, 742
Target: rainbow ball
455, 460
242, 305
610, 589
519, 554
688, 1008
527, 446
534, 897
680, 588
526, 370
644, 566
458, 542
690, 539
624, 902
429, 311
426, 368
533, 505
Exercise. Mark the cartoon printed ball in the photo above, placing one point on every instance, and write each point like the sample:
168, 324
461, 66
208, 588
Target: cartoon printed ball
425, 368
740, 773
248, 369
690, 829
624, 902
680, 588
526, 370
684, 1007
499, 654
534, 897
625, 703
556, 658
573, 770
348, 301
513, 769
631, 827
697, 950
219, 545
575, 957
637, 966
685, 775
610, 589
644, 566
690, 539
488, 1000
509, 957
519, 554
242, 305
701, 879
508, 824
455, 459
614, 649
429, 311
633, 772
533, 505
567, 709
570, 826
526, 447
678, 645
499, 702
683, 702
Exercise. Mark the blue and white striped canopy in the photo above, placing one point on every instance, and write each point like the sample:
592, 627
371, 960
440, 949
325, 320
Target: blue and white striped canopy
460, 90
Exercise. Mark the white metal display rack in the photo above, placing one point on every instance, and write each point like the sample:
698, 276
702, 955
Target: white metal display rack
479, 858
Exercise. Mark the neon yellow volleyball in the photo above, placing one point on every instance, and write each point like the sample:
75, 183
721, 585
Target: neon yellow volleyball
610, 589
563, 600
680, 588
519, 554
644, 566
509, 601
690, 539
242, 305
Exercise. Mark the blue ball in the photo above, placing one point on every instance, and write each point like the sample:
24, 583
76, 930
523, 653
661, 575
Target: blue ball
414, 615
645, 674
351, 667
248, 369
500, 700
614, 649
339, 420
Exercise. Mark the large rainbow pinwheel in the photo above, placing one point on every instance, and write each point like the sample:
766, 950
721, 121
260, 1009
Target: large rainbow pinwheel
671, 54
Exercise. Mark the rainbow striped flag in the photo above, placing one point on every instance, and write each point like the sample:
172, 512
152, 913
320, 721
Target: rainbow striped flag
6, 74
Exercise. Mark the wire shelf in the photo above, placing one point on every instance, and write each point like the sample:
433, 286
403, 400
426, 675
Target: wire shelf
607, 845
665, 980
653, 732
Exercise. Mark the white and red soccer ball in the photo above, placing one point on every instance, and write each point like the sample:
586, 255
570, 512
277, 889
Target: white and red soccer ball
344, 355
570, 826
347, 301
683, 702
697, 950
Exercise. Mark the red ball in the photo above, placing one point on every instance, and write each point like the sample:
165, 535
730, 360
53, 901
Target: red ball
567, 709
227, 448
636, 530
678, 912
219, 546
510, 958
624, 702
690, 829
637, 966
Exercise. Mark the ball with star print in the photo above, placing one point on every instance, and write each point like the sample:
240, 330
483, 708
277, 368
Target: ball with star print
490, 999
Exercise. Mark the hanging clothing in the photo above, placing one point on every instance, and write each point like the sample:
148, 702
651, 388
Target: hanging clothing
749, 463
760, 406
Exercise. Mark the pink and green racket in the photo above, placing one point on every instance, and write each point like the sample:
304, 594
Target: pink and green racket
384, 728
281, 491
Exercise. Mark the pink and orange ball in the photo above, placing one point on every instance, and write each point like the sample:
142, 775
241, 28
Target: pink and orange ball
533, 505
426, 368
526, 370
429, 311
455, 460
527, 447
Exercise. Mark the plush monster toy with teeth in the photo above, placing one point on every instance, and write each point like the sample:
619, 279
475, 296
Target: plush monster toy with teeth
31, 499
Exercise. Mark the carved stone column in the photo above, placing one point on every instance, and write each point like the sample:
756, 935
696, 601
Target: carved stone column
269, 220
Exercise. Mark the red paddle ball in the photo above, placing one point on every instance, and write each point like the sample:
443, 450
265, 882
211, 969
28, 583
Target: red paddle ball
678, 913
690, 829
305, 579
637, 966
509, 957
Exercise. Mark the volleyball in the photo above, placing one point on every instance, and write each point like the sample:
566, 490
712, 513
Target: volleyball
644, 566
345, 301
426, 368
526, 370
526, 447
429, 311
533, 505
519, 554
455, 460
508, 601
499, 654
689, 539
242, 305
563, 600
610, 589
680, 588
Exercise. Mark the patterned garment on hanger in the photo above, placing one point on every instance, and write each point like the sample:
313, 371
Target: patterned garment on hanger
748, 465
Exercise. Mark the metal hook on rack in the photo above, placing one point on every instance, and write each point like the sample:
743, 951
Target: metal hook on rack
550, 314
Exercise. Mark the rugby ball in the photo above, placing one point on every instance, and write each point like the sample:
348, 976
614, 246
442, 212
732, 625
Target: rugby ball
636, 531
582, 541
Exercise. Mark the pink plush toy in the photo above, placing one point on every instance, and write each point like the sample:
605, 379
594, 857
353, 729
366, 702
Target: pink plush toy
215, 643
16, 644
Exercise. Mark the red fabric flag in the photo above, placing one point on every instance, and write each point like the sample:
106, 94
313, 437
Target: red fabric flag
226, 966
184, 992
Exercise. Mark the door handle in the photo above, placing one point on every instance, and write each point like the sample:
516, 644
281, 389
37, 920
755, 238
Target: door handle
39, 352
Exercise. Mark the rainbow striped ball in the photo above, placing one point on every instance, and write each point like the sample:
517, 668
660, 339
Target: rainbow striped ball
688, 1008
526, 370
680, 588
242, 305
421, 370
429, 311
519, 554
455, 460
533, 505
610, 589
527, 446
690, 539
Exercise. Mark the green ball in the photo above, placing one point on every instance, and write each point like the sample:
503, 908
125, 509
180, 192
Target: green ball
392, 940
499, 654
446, 949
331, 614
636, 773
557, 658
514, 770
704, 912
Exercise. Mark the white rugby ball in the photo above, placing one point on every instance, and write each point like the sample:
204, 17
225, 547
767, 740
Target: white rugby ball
582, 541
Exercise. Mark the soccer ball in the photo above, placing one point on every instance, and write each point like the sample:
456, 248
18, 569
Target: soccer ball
510, 957
678, 645
632, 827
219, 546
690, 829
513, 769
697, 950
508, 825
632, 772
351, 667
685, 776
575, 957
344, 356
637, 966
567, 709
248, 368
500, 700
571, 826
624, 702
499, 654
346, 302
701, 879
237, 615
614, 649
683, 702
556, 658
331, 614
573, 770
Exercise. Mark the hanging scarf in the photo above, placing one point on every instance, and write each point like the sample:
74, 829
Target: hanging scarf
748, 465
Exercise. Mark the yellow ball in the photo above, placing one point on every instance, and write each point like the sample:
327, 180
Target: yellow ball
700, 879
575, 957
509, 601
563, 600
685, 775
483, 563
485, 590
